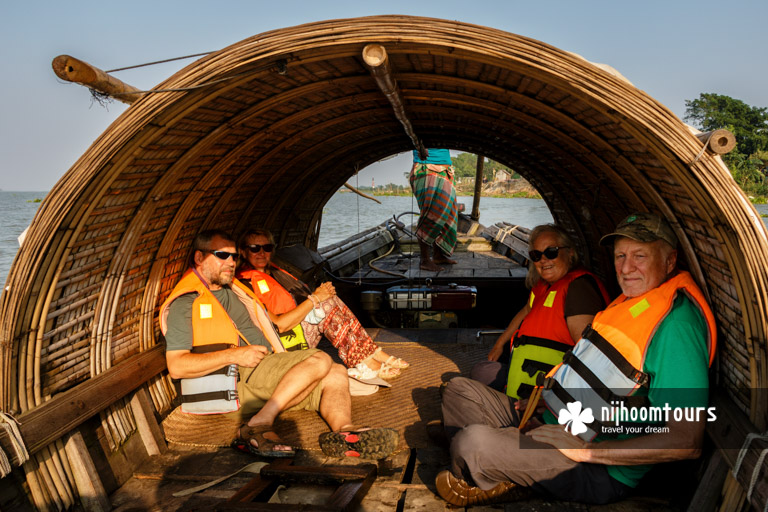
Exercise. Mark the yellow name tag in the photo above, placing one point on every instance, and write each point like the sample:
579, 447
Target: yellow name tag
639, 308
530, 303
206, 311
263, 286
550, 299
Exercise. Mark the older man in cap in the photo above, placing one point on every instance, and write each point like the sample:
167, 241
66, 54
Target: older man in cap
631, 393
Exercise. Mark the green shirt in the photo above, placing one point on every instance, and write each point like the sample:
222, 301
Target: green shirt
677, 362
179, 334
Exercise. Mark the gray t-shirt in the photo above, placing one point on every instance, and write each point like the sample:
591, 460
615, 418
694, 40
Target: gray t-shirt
179, 334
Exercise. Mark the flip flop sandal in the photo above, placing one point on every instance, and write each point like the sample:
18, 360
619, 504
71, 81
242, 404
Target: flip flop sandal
366, 443
266, 446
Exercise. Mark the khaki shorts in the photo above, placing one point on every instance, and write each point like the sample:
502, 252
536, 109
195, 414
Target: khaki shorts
257, 384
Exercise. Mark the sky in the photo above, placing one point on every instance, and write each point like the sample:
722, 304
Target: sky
672, 49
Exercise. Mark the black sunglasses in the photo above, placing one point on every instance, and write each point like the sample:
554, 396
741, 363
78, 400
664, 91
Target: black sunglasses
550, 253
223, 255
256, 248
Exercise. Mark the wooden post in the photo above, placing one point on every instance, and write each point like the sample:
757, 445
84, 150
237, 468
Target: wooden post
75, 70
375, 58
93, 496
149, 430
478, 188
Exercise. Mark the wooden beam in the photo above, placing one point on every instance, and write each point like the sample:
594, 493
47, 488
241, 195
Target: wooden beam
75, 70
478, 188
377, 61
64, 412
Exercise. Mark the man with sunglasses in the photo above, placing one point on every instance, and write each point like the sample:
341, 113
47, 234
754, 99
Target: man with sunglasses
650, 349
215, 328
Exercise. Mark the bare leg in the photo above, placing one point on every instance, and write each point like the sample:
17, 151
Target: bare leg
335, 403
441, 257
295, 385
426, 262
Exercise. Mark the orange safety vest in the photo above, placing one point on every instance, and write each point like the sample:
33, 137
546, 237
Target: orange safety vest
272, 294
213, 329
543, 336
210, 322
277, 300
605, 368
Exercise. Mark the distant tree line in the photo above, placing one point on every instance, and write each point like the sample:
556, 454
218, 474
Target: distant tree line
748, 163
465, 165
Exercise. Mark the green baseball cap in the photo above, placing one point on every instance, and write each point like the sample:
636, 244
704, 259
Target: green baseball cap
643, 227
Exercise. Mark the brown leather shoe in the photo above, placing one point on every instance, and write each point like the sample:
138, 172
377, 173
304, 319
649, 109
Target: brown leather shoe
459, 493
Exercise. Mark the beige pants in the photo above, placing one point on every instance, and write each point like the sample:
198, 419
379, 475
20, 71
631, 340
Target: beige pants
257, 384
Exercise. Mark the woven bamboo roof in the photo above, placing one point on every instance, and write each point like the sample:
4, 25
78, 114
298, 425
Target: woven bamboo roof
266, 130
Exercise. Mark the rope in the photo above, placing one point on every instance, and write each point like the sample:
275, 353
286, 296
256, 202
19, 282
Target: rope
156, 62
183, 89
706, 144
11, 426
359, 248
758, 464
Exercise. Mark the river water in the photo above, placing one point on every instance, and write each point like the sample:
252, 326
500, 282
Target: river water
344, 215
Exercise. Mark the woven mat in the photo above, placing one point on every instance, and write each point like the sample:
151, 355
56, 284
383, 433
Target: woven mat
411, 402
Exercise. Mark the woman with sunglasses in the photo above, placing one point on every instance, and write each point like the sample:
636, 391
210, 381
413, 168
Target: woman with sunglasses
563, 300
319, 312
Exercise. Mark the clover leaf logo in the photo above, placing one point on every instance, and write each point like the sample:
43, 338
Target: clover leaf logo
575, 417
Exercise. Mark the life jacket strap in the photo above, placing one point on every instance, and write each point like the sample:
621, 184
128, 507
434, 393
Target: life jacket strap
540, 342
597, 386
629, 371
532, 367
225, 394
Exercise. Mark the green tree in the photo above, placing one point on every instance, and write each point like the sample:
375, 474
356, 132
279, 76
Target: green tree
750, 127
465, 165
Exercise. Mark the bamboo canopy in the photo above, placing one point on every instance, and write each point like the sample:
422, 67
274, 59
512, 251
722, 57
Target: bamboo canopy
265, 131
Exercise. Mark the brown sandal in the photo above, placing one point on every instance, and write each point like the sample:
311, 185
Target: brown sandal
266, 446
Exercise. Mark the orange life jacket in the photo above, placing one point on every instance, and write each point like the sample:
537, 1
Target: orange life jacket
213, 329
543, 336
605, 367
210, 322
547, 315
277, 299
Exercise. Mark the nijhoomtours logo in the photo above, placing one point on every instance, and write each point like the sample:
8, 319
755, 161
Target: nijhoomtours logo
575, 417
619, 419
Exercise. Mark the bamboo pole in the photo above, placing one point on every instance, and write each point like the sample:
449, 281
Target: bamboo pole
478, 188
353, 189
718, 142
375, 57
75, 70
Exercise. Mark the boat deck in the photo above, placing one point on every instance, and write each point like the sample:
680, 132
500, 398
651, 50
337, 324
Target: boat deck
474, 258
403, 481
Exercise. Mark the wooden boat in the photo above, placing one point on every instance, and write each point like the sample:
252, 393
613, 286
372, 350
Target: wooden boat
264, 132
